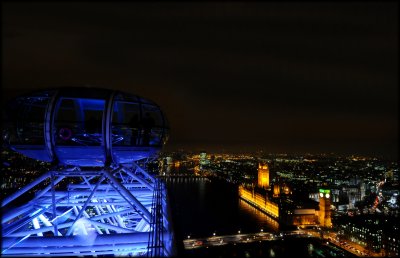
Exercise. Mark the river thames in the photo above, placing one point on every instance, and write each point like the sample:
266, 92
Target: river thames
204, 207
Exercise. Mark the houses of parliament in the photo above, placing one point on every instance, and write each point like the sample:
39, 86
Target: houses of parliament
277, 201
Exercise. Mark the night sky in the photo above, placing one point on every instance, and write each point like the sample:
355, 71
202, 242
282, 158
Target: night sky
278, 77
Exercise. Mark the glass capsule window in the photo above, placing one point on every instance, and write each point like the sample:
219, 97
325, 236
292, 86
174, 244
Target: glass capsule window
28, 121
125, 124
69, 126
78, 122
152, 123
136, 124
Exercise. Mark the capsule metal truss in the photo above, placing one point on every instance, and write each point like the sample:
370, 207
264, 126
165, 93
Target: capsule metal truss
98, 199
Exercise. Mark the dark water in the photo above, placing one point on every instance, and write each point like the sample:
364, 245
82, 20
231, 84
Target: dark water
289, 247
202, 206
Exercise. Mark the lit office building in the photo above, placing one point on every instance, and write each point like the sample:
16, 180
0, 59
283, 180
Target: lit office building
375, 232
203, 159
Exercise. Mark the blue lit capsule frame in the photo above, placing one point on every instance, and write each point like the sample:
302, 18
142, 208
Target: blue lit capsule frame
38, 127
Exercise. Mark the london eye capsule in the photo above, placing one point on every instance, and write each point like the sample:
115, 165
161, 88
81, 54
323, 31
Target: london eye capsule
84, 126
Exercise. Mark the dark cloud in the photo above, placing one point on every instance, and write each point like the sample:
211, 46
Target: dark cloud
310, 76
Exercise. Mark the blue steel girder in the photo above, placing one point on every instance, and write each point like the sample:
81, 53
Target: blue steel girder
106, 204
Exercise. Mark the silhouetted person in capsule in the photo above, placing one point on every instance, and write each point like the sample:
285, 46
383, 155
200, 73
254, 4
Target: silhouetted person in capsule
92, 125
134, 124
147, 123
93, 129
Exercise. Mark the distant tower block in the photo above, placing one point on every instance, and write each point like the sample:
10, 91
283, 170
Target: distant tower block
389, 175
325, 208
203, 158
362, 190
263, 175
169, 161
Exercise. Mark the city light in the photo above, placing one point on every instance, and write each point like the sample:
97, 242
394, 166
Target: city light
263, 201
281, 131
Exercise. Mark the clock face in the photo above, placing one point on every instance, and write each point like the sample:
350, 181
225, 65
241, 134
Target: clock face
321, 195
327, 195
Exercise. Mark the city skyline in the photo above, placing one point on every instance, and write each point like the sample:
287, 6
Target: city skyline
362, 194
277, 77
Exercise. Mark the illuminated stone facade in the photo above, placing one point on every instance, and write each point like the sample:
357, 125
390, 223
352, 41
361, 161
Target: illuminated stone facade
263, 176
276, 190
276, 202
324, 208
304, 217
259, 201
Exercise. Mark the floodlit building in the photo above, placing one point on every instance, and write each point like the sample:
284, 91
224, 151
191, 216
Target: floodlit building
277, 190
263, 175
276, 202
325, 208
